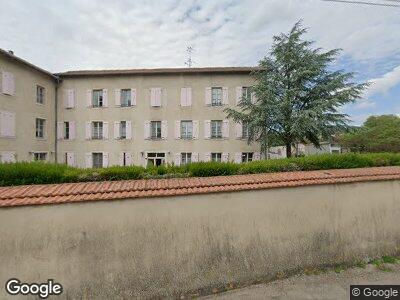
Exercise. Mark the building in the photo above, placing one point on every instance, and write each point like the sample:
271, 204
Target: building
121, 117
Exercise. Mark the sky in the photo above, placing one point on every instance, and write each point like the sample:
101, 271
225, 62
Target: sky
122, 34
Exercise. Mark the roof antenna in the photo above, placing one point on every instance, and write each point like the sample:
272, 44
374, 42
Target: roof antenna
189, 62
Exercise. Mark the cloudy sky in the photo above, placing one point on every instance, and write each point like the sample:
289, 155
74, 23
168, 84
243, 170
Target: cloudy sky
89, 34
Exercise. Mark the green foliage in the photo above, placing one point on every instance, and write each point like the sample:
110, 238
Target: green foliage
378, 133
298, 97
40, 173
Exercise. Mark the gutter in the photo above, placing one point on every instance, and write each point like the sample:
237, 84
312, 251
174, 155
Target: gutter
56, 118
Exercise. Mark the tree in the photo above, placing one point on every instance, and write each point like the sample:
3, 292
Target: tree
296, 95
378, 133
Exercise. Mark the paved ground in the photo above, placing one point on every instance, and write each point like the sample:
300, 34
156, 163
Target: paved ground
328, 285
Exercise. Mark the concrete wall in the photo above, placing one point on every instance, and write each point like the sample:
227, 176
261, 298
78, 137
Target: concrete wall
163, 246
26, 110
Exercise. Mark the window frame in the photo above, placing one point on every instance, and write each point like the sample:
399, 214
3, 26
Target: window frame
97, 129
126, 102
216, 129
247, 157
66, 130
216, 101
216, 156
40, 128
97, 98
40, 94
122, 130
156, 128
97, 164
186, 158
186, 129
40, 156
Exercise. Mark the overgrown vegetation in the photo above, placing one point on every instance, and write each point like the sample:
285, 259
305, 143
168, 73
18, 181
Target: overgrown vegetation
40, 173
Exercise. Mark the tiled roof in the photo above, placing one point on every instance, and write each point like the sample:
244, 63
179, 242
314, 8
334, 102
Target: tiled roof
112, 190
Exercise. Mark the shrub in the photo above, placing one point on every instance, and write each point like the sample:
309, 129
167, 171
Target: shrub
207, 169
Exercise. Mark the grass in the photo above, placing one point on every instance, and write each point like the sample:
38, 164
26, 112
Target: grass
40, 173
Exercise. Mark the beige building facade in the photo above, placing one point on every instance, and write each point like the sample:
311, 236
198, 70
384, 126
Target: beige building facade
126, 117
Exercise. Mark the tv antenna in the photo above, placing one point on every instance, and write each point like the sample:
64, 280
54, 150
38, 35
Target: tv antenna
189, 62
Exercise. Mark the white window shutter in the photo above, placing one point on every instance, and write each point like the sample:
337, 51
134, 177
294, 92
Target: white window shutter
177, 129
133, 97
152, 97
208, 96
71, 159
183, 97
66, 99
128, 158
117, 97
238, 157
8, 84
164, 129
195, 156
256, 156
7, 157
177, 159
105, 97
121, 159
88, 130
158, 96
207, 156
147, 130
70, 100
116, 130
195, 130
239, 130
72, 130
105, 130
225, 157
88, 160
89, 98
128, 130
225, 100
105, 159
225, 128
239, 94
207, 129
60, 130
7, 124
188, 96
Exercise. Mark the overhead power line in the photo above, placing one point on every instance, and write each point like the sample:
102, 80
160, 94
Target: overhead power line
367, 2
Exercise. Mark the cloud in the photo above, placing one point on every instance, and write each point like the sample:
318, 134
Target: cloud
384, 83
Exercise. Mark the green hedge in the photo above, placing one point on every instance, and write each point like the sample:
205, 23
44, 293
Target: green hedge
39, 173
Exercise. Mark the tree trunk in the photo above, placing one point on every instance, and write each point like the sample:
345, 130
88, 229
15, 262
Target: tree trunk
288, 149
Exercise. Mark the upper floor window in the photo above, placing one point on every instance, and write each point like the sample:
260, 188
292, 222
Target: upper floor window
66, 130
155, 129
186, 129
97, 98
97, 130
216, 156
216, 96
126, 97
40, 128
186, 158
247, 156
122, 130
40, 156
245, 131
40, 92
246, 93
216, 129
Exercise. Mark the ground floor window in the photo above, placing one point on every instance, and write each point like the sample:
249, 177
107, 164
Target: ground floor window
40, 156
97, 160
186, 158
247, 156
216, 156
155, 159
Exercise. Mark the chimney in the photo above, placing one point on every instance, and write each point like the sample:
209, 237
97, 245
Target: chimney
11, 52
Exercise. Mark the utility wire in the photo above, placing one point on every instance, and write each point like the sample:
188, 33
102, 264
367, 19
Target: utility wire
366, 2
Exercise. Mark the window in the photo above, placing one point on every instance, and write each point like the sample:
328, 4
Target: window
247, 156
122, 130
97, 98
216, 156
39, 94
155, 159
66, 130
246, 93
155, 129
216, 129
40, 123
124, 160
97, 160
97, 130
245, 131
186, 130
186, 158
216, 96
126, 100
40, 156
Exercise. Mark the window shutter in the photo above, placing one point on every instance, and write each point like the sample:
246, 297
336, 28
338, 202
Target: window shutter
256, 156
177, 129
60, 130
164, 129
183, 97
225, 129
152, 97
225, 100
155, 97
88, 130
133, 97
207, 129
128, 158
188, 96
7, 124
158, 96
8, 84
208, 95
105, 97
253, 97
239, 93
195, 156
128, 130
207, 156
177, 159
105, 130
89, 98
71, 159
239, 130
88, 160
225, 157
116, 129
72, 130
196, 130
7, 157
66, 99
105, 159
147, 130
238, 157
70, 101
121, 159
117, 97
